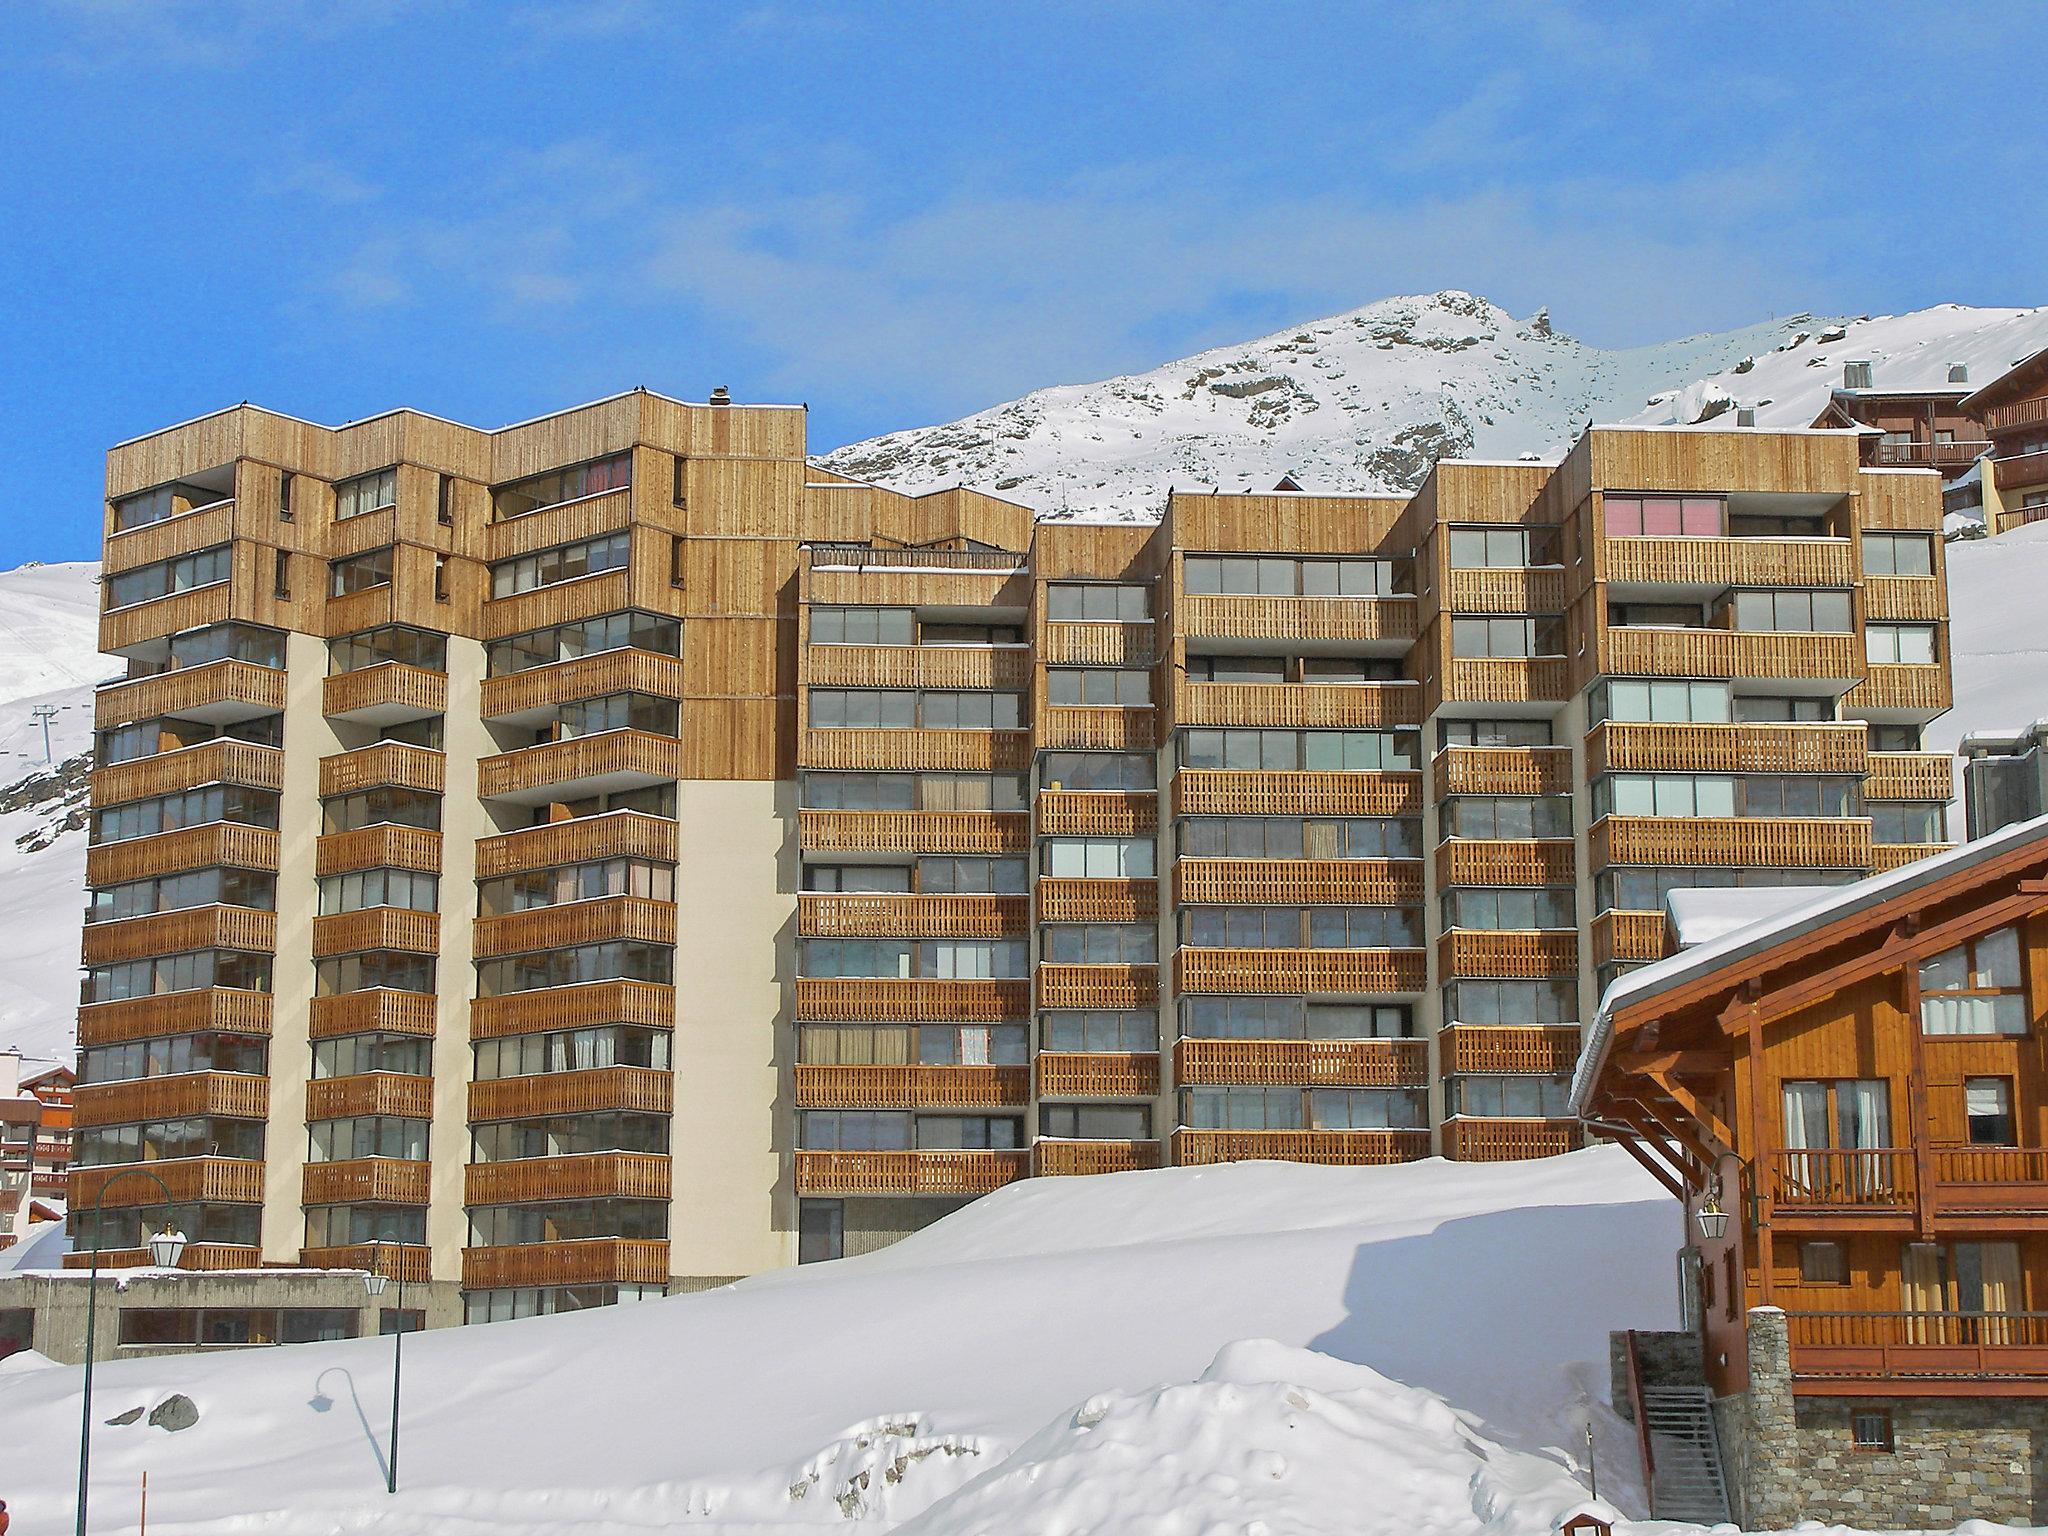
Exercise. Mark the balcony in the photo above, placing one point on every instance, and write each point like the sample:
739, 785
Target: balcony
1366, 972
1503, 771
1108, 727
1890, 856
362, 1013
615, 835
911, 999
389, 764
954, 751
1833, 1179
1098, 986
219, 693
1507, 680
583, 1176
384, 694
201, 1257
1529, 1050
589, 1091
1786, 842
1074, 900
231, 1095
564, 522
1508, 1141
180, 1013
1211, 617
1717, 563
1070, 1159
595, 921
580, 766
1621, 747
585, 1261
374, 847
908, 1173
1910, 776
1504, 861
1919, 689
533, 696
1529, 589
352, 933
1646, 652
1302, 1063
919, 578
911, 1087
1345, 1149
123, 629
1267, 792
578, 1007
914, 831
212, 1180
1507, 953
1628, 936
2021, 413
1290, 882
409, 1263
402, 1094
2023, 472
1932, 1354
880, 915
1097, 812
214, 762
172, 933
1904, 597
1099, 644
1351, 706
1007, 667
198, 527
169, 853
1098, 1074
1936, 455
365, 1181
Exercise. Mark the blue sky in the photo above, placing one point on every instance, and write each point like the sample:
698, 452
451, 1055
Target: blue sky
902, 212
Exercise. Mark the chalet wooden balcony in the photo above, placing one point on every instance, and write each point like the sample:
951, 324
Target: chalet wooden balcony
1619, 935
911, 1087
537, 693
1302, 1063
577, 922
411, 1263
366, 1181
580, 766
578, 1007
1507, 680
168, 853
1109, 727
1063, 899
2021, 413
912, 999
1098, 986
1468, 1140
353, 612
1928, 455
382, 1012
1910, 688
384, 694
1780, 842
389, 764
582, 1176
1527, 589
1622, 747
1097, 812
1910, 776
1504, 861
172, 933
1352, 706
962, 751
219, 692
1006, 667
614, 835
200, 1257
1345, 882
1066, 1159
231, 1095
1843, 1179
908, 1173
2021, 472
214, 762
1503, 771
585, 1261
1644, 652
374, 847
1529, 1050
1904, 597
1098, 1074
214, 1180
1214, 617
1918, 1354
1507, 953
589, 1091
860, 914
914, 831
403, 1094
180, 1013
1269, 792
1100, 644
1369, 972
1347, 1149
161, 617
1890, 856
1634, 560
353, 933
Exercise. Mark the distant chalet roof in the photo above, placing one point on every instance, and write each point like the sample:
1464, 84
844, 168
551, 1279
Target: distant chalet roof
2022, 376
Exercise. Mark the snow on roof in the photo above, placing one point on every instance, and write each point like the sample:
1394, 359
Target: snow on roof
1699, 915
1794, 920
1992, 739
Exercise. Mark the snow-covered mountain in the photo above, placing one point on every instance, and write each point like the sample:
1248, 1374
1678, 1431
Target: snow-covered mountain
1366, 401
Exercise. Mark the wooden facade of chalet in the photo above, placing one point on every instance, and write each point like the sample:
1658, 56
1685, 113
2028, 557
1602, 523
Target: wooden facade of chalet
2014, 410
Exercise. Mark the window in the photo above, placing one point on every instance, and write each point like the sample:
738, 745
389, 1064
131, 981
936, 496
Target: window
1322, 751
375, 969
972, 875
1071, 601
1657, 615
1664, 794
351, 1055
564, 883
190, 888
586, 637
1511, 1002
1097, 770
1295, 837
970, 711
1367, 1109
1099, 943
1493, 733
1975, 988
1242, 1109
1513, 637
334, 1226
1510, 907
364, 888
413, 647
153, 506
281, 576
500, 1141
366, 493
863, 626
1906, 822
1894, 738
444, 500
612, 473
1237, 669
167, 1055
619, 960
1101, 1029
571, 1050
1510, 1097
1831, 1117
1906, 643
1502, 548
1823, 1264
1255, 1017
1097, 858
1898, 554
205, 568
820, 1229
1661, 702
156, 1140
903, 709
190, 972
1987, 1110
381, 807
1665, 516
188, 808
1799, 795
1098, 685
569, 562
1096, 1122
619, 712
1507, 816
1779, 708
359, 573
566, 1221
228, 642
854, 1130
1792, 612
1282, 576
1870, 1430
857, 877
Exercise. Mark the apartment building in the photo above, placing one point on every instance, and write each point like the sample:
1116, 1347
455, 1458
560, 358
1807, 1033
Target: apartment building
35, 1143
609, 854
2013, 479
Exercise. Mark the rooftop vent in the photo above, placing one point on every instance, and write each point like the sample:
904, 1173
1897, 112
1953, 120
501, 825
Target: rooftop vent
721, 396
1959, 373
1745, 416
1855, 375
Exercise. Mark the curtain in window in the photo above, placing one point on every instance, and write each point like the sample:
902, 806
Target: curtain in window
1863, 1116
1925, 1292
1806, 1126
974, 1046
1999, 1287
1319, 840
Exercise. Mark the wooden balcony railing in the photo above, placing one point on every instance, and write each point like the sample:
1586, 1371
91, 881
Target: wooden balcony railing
914, 831
226, 690
1619, 746
389, 691
1529, 589
1297, 618
587, 1261
1504, 861
1348, 1149
590, 1091
1074, 900
577, 922
180, 1013
353, 933
375, 847
1098, 1074
1503, 771
1467, 1140
231, 1095
197, 527
1990, 1180
566, 522
2021, 472
1062, 1159
1910, 776
403, 1094
171, 933
541, 690
610, 760
393, 763
1727, 653
381, 1012
1352, 706
199, 1257
962, 751
584, 1176
1098, 986
1303, 1063
1532, 1050
164, 616
1961, 1352
1928, 455
1788, 841
855, 914
1260, 792
1507, 953
1097, 812
1889, 856
366, 1181
1843, 1178
912, 1000
1100, 644
212, 762
1628, 936
1108, 727
1706, 562
2020, 413
1507, 680
908, 1173
1916, 687
230, 1180
1904, 597
168, 853
918, 666
911, 1087
615, 835
408, 1262
579, 1007
1348, 882
1372, 972
923, 588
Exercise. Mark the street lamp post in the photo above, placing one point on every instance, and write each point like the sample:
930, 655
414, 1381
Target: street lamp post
166, 1248
374, 1281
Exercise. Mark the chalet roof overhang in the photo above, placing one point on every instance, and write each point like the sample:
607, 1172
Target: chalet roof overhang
2027, 373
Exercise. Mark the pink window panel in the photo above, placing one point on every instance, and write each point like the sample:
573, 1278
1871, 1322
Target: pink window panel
1700, 517
1624, 515
1663, 515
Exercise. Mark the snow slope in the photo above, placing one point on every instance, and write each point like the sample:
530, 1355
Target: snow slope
1063, 1356
1366, 401
1998, 634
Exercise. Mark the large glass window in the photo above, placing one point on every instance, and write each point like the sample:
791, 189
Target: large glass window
1367, 1109
500, 1141
1792, 612
586, 637
1242, 1109
1675, 701
413, 647
1508, 907
366, 493
1493, 733
1098, 685
1893, 822
972, 875
1085, 601
1511, 1002
188, 808
1296, 927
615, 961
351, 1055
587, 881
1500, 816
1284, 576
1097, 770
1095, 1122
611, 473
189, 888
184, 573
562, 1221
367, 1136
153, 506
1100, 943
385, 805
156, 1140
1322, 751
1511, 1097
1907, 643
1977, 988
832, 625
572, 1050
395, 970
1099, 1029
342, 1226
1097, 858
228, 642
1490, 547
1507, 636
169, 1055
359, 573
569, 562
1898, 554
1688, 516
363, 888
620, 712
1301, 837
192, 971
1269, 1017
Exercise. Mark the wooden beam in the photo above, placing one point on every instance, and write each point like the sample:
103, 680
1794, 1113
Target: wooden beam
1760, 1085
1651, 1140
1679, 1062
1671, 1120
1719, 1137
1633, 1145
